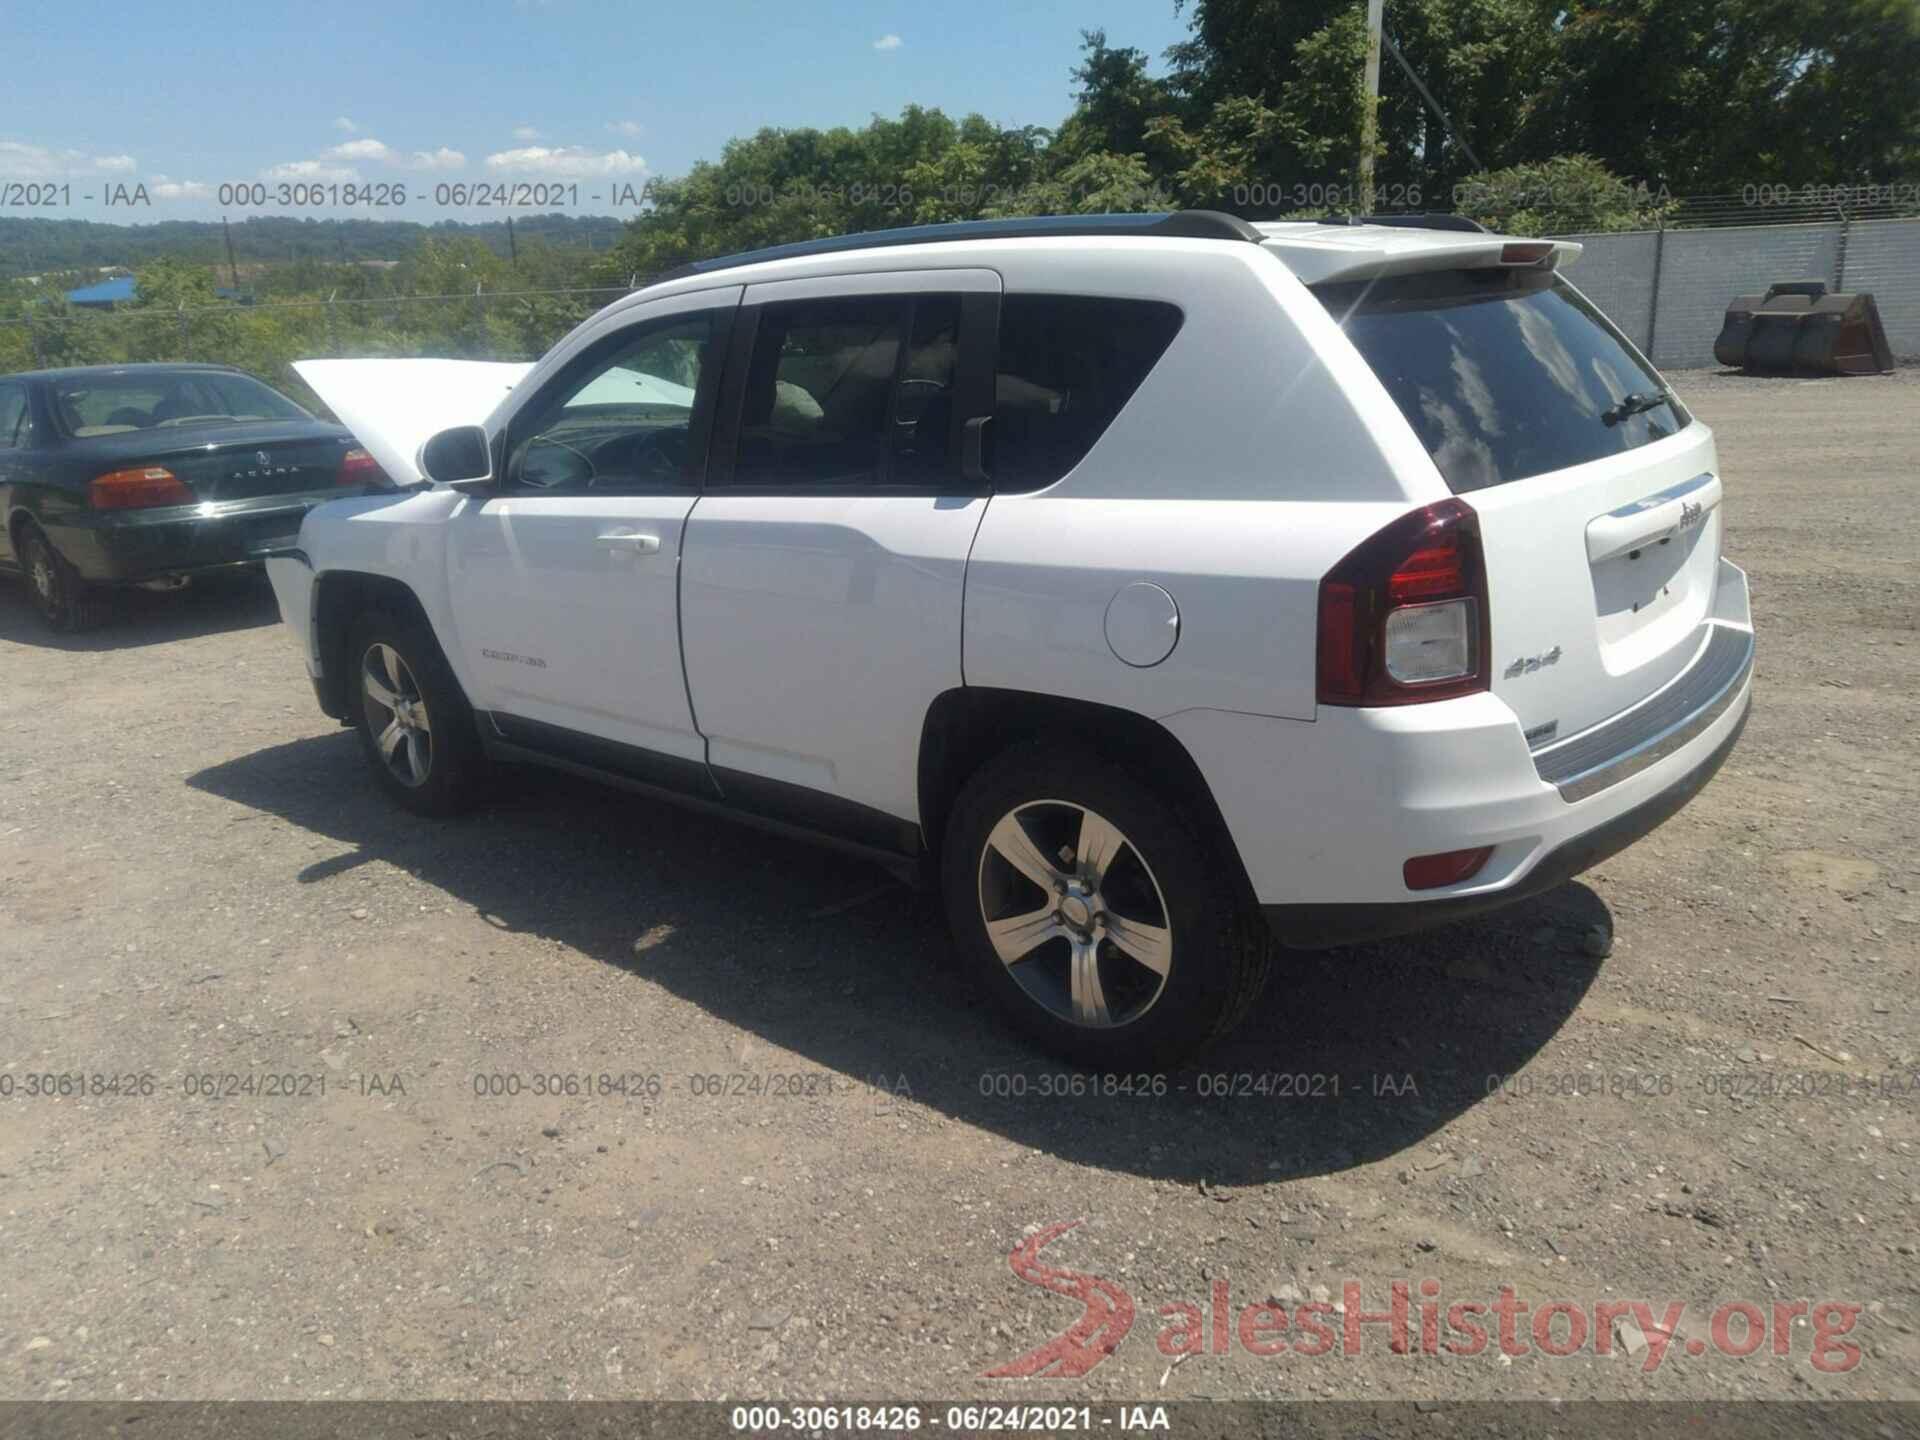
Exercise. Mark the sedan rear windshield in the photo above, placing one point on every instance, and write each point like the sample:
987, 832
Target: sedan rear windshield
150, 400
1503, 373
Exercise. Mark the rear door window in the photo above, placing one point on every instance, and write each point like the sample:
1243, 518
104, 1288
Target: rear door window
1503, 374
1068, 365
854, 394
13, 417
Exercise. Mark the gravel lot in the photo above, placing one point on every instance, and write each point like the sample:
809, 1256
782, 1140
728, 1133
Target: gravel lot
196, 880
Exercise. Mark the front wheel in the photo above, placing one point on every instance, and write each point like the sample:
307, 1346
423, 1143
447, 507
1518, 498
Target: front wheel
415, 726
1099, 920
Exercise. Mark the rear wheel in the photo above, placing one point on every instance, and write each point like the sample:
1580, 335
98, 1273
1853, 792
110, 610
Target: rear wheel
64, 600
415, 726
1094, 913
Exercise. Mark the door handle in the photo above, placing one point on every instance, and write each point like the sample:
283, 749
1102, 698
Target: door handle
973, 465
634, 540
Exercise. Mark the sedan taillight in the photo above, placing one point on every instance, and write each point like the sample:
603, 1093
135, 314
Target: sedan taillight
1403, 618
357, 467
137, 489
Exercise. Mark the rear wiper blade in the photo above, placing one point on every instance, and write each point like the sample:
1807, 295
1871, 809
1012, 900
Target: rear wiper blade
1637, 403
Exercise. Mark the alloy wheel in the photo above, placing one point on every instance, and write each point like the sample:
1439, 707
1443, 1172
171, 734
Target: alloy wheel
42, 572
1075, 914
396, 715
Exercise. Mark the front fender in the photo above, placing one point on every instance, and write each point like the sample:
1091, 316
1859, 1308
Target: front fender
392, 540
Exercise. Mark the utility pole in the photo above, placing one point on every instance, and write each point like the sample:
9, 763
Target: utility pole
1370, 120
233, 269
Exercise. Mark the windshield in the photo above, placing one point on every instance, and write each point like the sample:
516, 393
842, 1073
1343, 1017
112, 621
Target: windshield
148, 400
1504, 374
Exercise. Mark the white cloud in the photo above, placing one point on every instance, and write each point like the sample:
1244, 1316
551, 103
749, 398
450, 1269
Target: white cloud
344, 125
372, 149
20, 161
368, 149
441, 159
888, 42
310, 170
162, 188
629, 128
525, 132
566, 162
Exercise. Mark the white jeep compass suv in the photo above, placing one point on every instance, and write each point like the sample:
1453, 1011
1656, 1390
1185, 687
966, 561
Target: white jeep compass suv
1163, 584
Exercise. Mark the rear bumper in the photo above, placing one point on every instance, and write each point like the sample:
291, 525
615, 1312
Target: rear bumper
1325, 813
1314, 927
290, 573
127, 547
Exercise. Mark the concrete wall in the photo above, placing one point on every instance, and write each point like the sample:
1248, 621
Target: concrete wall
1669, 292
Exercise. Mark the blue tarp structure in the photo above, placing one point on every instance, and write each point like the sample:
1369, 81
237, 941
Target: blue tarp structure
108, 292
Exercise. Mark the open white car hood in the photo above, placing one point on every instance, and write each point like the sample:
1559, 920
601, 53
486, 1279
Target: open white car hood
395, 406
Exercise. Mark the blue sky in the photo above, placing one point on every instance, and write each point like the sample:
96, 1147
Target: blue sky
183, 99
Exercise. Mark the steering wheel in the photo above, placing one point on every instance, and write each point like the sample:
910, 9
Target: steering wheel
660, 455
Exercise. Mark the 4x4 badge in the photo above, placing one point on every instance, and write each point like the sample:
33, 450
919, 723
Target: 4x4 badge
1527, 664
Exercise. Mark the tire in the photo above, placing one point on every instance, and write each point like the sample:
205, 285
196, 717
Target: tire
65, 601
1179, 958
425, 752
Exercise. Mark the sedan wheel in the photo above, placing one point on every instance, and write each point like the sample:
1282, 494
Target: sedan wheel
40, 569
397, 715
64, 600
1074, 912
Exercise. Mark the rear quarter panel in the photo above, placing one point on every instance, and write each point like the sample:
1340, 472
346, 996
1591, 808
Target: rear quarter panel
1247, 463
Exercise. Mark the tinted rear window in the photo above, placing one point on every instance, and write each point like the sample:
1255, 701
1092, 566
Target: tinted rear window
148, 400
1067, 366
1503, 374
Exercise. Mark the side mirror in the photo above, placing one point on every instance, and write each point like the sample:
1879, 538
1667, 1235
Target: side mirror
459, 456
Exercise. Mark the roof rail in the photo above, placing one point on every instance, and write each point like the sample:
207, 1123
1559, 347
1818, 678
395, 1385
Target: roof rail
1409, 222
1184, 224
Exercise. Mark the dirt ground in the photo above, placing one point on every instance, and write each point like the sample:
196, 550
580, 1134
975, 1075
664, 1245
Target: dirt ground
198, 882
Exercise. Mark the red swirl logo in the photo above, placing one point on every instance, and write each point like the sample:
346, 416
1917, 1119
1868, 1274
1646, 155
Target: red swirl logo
1090, 1339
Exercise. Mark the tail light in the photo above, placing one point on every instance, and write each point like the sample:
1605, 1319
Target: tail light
1403, 618
357, 467
138, 488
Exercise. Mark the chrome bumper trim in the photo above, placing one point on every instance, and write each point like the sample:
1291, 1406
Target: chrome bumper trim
1617, 749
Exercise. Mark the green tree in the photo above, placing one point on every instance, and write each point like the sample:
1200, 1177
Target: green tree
67, 335
1711, 95
171, 283
1690, 94
1570, 194
1116, 102
1296, 68
175, 314
777, 186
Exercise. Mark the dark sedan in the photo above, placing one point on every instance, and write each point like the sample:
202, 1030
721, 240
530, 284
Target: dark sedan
146, 474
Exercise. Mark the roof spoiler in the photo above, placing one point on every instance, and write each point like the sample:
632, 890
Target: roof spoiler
1409, 222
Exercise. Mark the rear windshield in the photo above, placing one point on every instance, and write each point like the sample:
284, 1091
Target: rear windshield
164, 400
1503, 373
